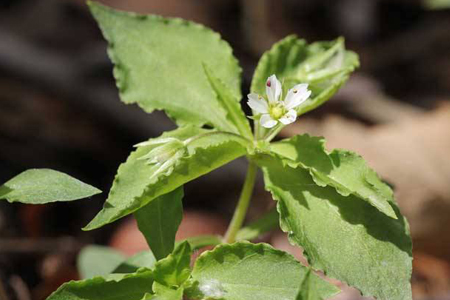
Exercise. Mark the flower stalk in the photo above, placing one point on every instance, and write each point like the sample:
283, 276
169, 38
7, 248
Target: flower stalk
243, 203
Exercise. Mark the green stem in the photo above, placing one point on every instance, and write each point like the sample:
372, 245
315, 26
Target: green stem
273, 133
243, 203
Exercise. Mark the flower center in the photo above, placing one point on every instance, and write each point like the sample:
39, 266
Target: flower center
276, 111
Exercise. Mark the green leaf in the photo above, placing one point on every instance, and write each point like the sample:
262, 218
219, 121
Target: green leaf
230, 103
137, 183
144, 259
96, 260
163, 292
159, 220
250, 271
344, 236
344, 170
159, 65
266, 223
175, 268
121, 287
325, 66
39, 186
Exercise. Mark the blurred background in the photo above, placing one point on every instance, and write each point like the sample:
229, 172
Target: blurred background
59, 109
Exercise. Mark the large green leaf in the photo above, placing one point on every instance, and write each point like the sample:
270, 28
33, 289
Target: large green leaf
344, 170
159, 65
39, 186
344, 236
175, 268
159, 220
118, 287
325, 66
245, 271
137, 182
96, 260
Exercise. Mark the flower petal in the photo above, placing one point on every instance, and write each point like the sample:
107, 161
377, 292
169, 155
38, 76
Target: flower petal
273, 89
289, 117
297, 95
257, 103
267, 121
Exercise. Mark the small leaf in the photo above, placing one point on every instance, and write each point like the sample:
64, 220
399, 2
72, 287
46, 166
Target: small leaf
230, 103
96, 260
250, 271
159, 220
152, 70
325, 66
163, 292
137, 183
267, 222
175, 268
144, 259
39, 186
344, 170
343, 236
119, 287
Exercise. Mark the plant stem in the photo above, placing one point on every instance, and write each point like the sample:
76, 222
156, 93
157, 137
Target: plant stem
243, 203
273, 133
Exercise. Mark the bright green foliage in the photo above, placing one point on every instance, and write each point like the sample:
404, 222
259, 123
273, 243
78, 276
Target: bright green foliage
255, 229
159, 220
144, 259
159, 65
96, 260
173, 270
122, 287
331, 204
137, 183
163, 292
344, 170
324, 65
250, 271
39, 186
344, 236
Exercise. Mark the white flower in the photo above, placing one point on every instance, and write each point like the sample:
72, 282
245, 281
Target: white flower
273, 110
